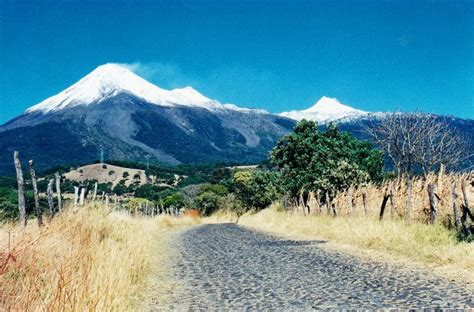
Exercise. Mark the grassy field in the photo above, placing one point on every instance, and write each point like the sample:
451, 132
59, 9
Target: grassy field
91, 259
417, 243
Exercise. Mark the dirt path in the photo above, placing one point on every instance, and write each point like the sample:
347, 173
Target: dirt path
224, 266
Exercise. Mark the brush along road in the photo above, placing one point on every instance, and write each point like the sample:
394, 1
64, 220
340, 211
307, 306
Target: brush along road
227, 267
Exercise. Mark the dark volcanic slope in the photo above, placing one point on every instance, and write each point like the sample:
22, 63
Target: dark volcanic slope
225, 267
129, 128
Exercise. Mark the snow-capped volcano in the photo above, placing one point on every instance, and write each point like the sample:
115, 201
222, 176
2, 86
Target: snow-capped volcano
111, 79
326, 110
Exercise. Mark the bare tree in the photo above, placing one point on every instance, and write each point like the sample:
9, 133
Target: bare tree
418, 141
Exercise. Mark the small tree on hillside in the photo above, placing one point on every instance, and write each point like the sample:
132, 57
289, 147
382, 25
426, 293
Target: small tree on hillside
329, 161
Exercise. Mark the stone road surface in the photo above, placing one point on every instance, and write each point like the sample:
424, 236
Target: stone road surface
227, 267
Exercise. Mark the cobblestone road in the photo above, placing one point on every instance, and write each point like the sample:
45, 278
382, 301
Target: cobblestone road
227, 267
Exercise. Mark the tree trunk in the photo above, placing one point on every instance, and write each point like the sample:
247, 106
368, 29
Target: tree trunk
50, 199
58, 191
107, 201
455, 205
38, 212
21, 189
433, 203
409, 199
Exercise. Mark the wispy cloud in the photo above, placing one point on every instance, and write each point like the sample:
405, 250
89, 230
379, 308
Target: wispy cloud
165, 75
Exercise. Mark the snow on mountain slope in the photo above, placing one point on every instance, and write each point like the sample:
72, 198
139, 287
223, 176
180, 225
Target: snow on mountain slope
110, 79
326, 110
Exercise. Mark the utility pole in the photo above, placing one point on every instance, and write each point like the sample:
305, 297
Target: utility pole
101, 156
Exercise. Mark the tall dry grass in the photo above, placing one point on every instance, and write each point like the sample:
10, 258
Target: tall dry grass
90, 259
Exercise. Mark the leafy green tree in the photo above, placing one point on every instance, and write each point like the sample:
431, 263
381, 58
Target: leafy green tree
329, 161
256, 189
120, 189
208, 202
174, 200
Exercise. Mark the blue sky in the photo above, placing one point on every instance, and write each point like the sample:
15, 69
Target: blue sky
277, 55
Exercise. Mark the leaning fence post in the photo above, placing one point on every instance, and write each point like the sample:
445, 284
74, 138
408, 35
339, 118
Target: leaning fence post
58, 191
50, 198
38, 212
21, 189
433, 203
455, 204
382, 207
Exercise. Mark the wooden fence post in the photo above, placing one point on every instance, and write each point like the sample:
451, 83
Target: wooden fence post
465, 210
433, 203
76, 195
94, 196
21, 189
409, 199
58, 191
382, 207
39, 214
82, 196
50, 199
455, 205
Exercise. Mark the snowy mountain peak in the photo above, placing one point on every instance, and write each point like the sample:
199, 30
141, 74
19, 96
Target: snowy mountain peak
111, 79
325, 110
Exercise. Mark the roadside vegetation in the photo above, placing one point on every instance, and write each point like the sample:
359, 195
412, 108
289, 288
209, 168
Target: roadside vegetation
84, 259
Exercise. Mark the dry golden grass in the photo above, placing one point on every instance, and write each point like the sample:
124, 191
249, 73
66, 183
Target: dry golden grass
418, 243
90, 259
375, 194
